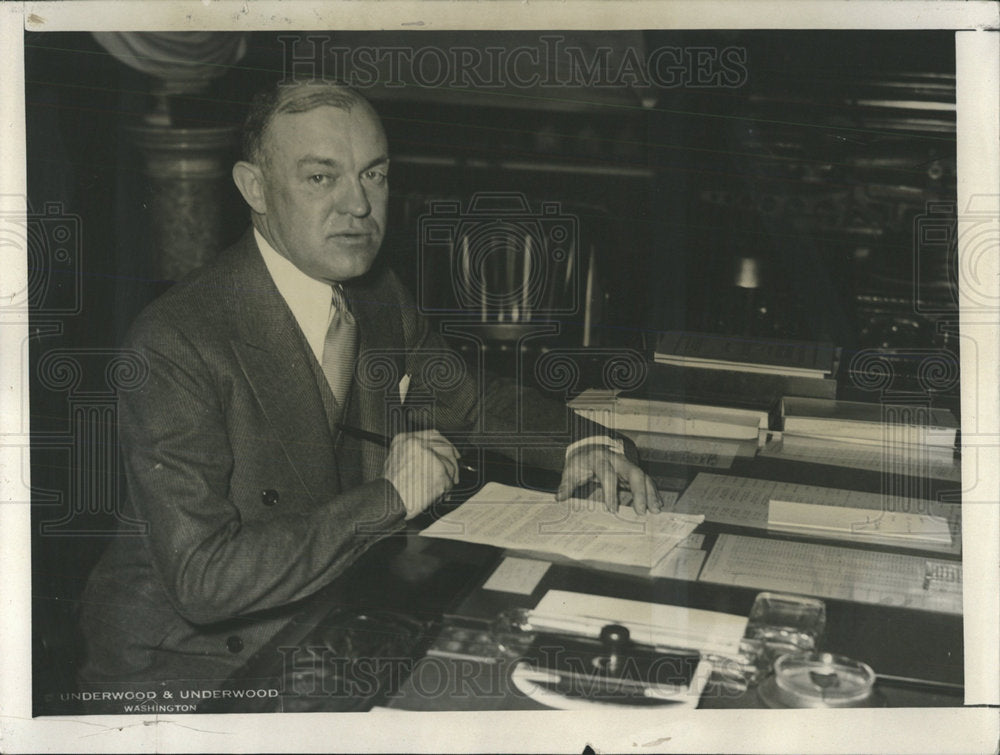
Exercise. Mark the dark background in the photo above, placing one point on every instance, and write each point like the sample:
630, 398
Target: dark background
796, 169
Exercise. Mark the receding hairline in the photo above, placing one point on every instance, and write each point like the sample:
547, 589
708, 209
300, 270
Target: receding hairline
300, 98
304, 97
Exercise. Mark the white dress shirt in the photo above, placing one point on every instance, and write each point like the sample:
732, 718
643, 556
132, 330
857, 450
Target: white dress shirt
310, 300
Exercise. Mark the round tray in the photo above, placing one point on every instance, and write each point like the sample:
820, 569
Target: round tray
819, 680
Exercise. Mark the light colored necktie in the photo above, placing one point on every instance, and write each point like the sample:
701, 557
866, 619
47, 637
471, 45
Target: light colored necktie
339, 347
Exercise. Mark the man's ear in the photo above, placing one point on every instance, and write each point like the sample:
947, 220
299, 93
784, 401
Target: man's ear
250, 181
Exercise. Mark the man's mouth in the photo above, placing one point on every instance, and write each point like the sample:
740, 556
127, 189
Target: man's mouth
353, 237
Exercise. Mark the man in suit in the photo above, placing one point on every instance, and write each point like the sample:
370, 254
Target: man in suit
253, 496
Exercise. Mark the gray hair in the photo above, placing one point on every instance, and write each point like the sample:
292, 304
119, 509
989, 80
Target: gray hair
290, 98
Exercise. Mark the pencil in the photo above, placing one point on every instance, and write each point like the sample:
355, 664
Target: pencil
385, 441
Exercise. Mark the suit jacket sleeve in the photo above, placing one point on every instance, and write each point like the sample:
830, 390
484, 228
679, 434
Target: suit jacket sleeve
219, 552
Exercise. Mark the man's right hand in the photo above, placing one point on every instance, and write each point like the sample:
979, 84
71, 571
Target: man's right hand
422, 466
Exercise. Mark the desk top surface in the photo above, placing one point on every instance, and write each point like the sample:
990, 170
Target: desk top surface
918, 654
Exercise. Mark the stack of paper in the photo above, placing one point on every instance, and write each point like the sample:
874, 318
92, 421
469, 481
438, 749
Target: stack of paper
901, 460
647, 416
510, 517
648, 623
691, 451
892, 425
860, 525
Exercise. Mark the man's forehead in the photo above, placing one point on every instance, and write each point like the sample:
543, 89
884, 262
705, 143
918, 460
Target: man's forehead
358, 122
342, 104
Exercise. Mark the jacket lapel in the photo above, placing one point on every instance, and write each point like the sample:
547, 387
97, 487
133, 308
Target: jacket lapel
380, 338
281, 370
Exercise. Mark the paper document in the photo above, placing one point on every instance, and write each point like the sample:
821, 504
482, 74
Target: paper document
862, 525
745, 502
687, 450
896, 441
828, 571
854, 420
693, 541
646, 415
604, 400
680, 563
684, 561
510, 517
647, 623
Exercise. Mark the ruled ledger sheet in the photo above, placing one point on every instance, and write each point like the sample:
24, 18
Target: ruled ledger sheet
747, 502
517, 518
828, 571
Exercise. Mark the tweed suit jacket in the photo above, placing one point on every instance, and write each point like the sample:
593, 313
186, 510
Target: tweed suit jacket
253, 499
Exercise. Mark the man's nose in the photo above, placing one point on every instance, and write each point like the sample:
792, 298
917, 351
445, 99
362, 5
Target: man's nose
353, 200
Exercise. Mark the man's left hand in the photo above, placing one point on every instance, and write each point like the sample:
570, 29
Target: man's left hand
599, 463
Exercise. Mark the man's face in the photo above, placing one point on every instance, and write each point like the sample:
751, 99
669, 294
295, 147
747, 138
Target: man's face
326, 188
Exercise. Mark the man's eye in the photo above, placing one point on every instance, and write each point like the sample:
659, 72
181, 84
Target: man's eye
376, 176
319, 179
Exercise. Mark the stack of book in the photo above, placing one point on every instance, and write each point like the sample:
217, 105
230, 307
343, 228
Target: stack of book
895, 439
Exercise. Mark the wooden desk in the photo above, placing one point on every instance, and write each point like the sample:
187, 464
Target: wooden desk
430, 581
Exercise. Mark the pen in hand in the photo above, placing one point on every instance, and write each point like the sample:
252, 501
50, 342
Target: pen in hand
385, 441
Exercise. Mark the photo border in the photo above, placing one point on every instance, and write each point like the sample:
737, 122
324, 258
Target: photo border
897, 730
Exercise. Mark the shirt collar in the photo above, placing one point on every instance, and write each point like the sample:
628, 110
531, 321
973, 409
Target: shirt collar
309, 299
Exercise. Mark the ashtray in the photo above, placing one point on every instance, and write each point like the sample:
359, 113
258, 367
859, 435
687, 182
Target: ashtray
819, 680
